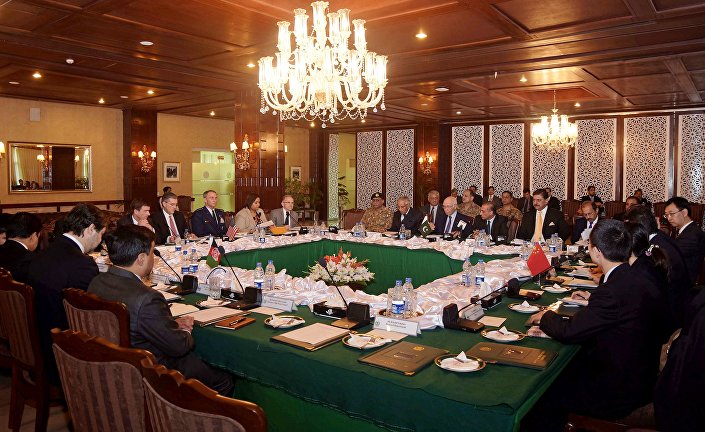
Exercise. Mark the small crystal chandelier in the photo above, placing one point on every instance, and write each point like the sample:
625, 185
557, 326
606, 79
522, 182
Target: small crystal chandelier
242, 159
146, 160
322, 77
554, 136
426, 163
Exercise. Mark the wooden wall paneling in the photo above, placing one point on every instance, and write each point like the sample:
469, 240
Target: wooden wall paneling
619, 193
318, 167
426, 138
486, 161
527, 157
139, 127
673, 156
444, 159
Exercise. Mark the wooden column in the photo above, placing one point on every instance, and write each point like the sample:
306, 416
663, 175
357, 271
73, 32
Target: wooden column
139, 128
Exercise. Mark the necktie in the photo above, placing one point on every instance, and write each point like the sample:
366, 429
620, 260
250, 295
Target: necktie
286, 220
402, 218
215, 218
538, 228
589, 224
449, 225
433, 214
489, 227
172, 226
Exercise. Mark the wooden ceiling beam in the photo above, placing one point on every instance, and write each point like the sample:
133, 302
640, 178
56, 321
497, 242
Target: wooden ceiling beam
683, 78
499, 19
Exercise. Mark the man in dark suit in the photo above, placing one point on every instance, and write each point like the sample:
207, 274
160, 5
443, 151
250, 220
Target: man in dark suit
641, 199
131, 250
64, 264
139, 215
525, 203
455, 224
285, 215
476, 198
493, 224
690, 239
410, 217
433, 209
584, 224
551, 221
169, 224
616, 370
630, 202
17, 253
209, 220
593, 198
491, 197
553, 202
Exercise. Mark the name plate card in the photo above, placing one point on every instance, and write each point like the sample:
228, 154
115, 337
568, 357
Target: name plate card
203, 288
406, 327
277, 303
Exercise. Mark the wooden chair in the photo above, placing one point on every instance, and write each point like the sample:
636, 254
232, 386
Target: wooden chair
351, 217
5, 355
29, 376
102, 382
696, 213
94, 316
614, 207
177, 404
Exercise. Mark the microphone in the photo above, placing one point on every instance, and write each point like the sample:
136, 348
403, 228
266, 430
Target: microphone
159, 254
221, 249
322, 262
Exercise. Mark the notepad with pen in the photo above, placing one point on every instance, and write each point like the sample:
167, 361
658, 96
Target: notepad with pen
234, 323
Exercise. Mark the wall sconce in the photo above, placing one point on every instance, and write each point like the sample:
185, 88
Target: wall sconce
146, 160
242, 159
426, 163
2, 149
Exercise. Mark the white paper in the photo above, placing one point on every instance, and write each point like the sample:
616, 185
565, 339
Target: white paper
213, 314
408, 327
279, 303
491, 321
169, 296
381, 333
315, 334
265, 310
178, 309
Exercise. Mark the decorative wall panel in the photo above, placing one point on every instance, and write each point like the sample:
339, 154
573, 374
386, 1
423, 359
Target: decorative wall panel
399, 165
333, 176
646, 156
369, 166
507, 157
691, 157
595, 157
467, 143
549, 169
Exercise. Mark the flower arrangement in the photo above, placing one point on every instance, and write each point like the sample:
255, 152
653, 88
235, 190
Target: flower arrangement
344, 268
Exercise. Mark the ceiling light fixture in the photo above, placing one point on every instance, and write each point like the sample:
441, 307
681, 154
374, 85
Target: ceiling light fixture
421, 35
101, 101
458, 112
36, 75
557, 135
523, 79
441, 89
322, 78
364, 121
14, 83
146, 43
577, 105
123, 97
250, 65
69, 60
212, 113
150, 92
312, 124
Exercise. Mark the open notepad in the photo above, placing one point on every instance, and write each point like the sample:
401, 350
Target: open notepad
208, 316
312, 337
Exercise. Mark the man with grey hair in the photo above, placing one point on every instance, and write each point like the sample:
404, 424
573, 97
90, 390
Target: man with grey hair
209, 220
405, 215
433, 210
455, 223
285, 216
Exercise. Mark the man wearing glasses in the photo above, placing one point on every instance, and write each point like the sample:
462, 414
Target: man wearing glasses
285, 216
690, 239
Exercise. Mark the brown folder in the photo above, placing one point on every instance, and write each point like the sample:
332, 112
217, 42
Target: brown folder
512, 355
405, 357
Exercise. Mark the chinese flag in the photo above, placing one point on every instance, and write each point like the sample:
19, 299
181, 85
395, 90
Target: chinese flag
537, 262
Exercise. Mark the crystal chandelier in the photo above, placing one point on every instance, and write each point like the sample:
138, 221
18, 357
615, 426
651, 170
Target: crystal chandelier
322, 78
557, 135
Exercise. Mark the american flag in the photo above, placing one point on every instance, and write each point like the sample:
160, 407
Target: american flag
232, 230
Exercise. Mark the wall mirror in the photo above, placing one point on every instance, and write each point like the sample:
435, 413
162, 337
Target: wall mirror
47, 167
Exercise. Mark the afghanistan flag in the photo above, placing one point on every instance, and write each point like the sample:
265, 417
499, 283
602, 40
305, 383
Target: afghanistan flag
213, 258
425, 228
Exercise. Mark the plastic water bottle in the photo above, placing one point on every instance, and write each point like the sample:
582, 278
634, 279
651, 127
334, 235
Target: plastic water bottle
269, 273
480, 272
363, 229
552, 243
357, 232
185, 235
402, 232
409, 297
525, 250
185, 262
193, 260
481, 241
395, 302
259, 276
261, 238
466, 279
559, 244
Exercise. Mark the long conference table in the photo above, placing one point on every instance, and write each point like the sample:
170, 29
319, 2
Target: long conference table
329, 390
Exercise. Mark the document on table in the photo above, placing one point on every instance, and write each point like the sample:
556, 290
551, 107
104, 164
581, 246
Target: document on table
491, 321
384, 334
169, 296
178, 309
266, 310
207, 316
312, 337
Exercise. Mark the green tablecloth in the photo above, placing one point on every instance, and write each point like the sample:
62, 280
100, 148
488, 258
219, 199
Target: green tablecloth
330, 390
389, 263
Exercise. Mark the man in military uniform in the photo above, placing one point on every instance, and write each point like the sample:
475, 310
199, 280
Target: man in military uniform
377, 218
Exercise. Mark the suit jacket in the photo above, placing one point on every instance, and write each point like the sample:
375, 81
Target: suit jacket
691, 242
616, 370
125, 220
497, 201
440, 214
412, 220
580, 226
245, 222
279, 217
552, 223
596, 199
16, 258
679, 282
151, 325
61, 265
500, 226
477, 199
554, 203
161, 226
524, 206
464, 232
203, 224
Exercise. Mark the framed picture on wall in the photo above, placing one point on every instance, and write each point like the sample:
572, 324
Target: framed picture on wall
172, 171
296, 173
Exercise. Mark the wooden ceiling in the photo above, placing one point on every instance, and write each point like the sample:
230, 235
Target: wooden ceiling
608, 55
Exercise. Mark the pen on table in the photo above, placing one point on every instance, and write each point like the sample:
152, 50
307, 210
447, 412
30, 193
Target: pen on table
232, 323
